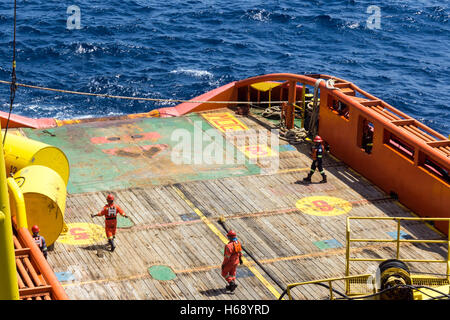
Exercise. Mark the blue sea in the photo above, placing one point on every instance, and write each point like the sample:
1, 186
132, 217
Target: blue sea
396, 50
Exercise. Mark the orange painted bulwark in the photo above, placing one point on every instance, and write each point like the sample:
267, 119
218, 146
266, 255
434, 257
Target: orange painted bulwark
227, 92
424, 193
418, 189
17, 121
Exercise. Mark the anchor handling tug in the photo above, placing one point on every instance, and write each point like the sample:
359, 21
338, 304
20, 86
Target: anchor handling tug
377, 229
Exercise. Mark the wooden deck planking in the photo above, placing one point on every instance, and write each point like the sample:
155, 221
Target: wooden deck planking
142, 290
186, 282
227, 191
269, 227
77, 256
236, 189
140, 212
261, 208
213, 205
88, 204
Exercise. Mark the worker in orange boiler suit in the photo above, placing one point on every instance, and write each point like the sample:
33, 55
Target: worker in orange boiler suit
232, 257
110, 212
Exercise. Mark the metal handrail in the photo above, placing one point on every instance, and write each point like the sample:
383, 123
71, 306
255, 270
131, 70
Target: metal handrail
329, 280
398, 241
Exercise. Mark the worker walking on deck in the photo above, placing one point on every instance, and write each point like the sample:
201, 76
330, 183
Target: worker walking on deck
317, 154
110, 212
232, 257
39, 240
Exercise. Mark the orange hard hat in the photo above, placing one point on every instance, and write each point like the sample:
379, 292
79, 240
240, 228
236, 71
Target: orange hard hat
318, 139
231, 233
35, 229
110, 197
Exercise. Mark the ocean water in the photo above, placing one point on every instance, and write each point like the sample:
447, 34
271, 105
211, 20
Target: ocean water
398, 51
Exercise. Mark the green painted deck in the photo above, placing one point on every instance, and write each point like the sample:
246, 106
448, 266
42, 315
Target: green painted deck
134, 152
172, 248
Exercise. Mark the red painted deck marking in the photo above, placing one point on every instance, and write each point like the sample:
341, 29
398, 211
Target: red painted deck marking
153, 136
150, 151
82, 233
323, 206
257, 151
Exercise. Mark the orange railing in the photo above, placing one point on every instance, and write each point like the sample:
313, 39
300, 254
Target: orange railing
36, 279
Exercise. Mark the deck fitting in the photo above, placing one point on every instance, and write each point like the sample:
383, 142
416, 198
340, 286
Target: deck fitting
162, 273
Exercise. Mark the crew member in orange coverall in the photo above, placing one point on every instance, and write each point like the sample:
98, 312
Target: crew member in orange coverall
232, 257
110, 212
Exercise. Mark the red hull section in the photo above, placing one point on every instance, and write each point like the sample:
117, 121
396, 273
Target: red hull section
16, 121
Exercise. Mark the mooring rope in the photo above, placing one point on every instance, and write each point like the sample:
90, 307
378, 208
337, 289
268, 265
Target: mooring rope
104, 95
13, 84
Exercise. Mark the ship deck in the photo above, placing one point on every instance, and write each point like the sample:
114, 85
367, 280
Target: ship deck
172, 246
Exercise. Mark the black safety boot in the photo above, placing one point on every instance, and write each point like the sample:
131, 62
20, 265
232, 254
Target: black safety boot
228, 287
324, 178
308, 178
233, 286
113, 246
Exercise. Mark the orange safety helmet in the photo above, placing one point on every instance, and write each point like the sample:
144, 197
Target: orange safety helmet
110, 198
318, 139
231, 234
35, 229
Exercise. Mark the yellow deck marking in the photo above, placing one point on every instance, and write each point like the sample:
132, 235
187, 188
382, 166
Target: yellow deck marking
213, 228
334, 158
224, 121
81, 233
323, 206
258, 151
60, 123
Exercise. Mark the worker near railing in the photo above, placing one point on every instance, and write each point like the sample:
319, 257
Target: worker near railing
367, 139
110, 212
317, 154
232, 257
39, 240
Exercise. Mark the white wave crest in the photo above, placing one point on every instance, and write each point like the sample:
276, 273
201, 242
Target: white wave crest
193, 72
259, 15
82, 50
